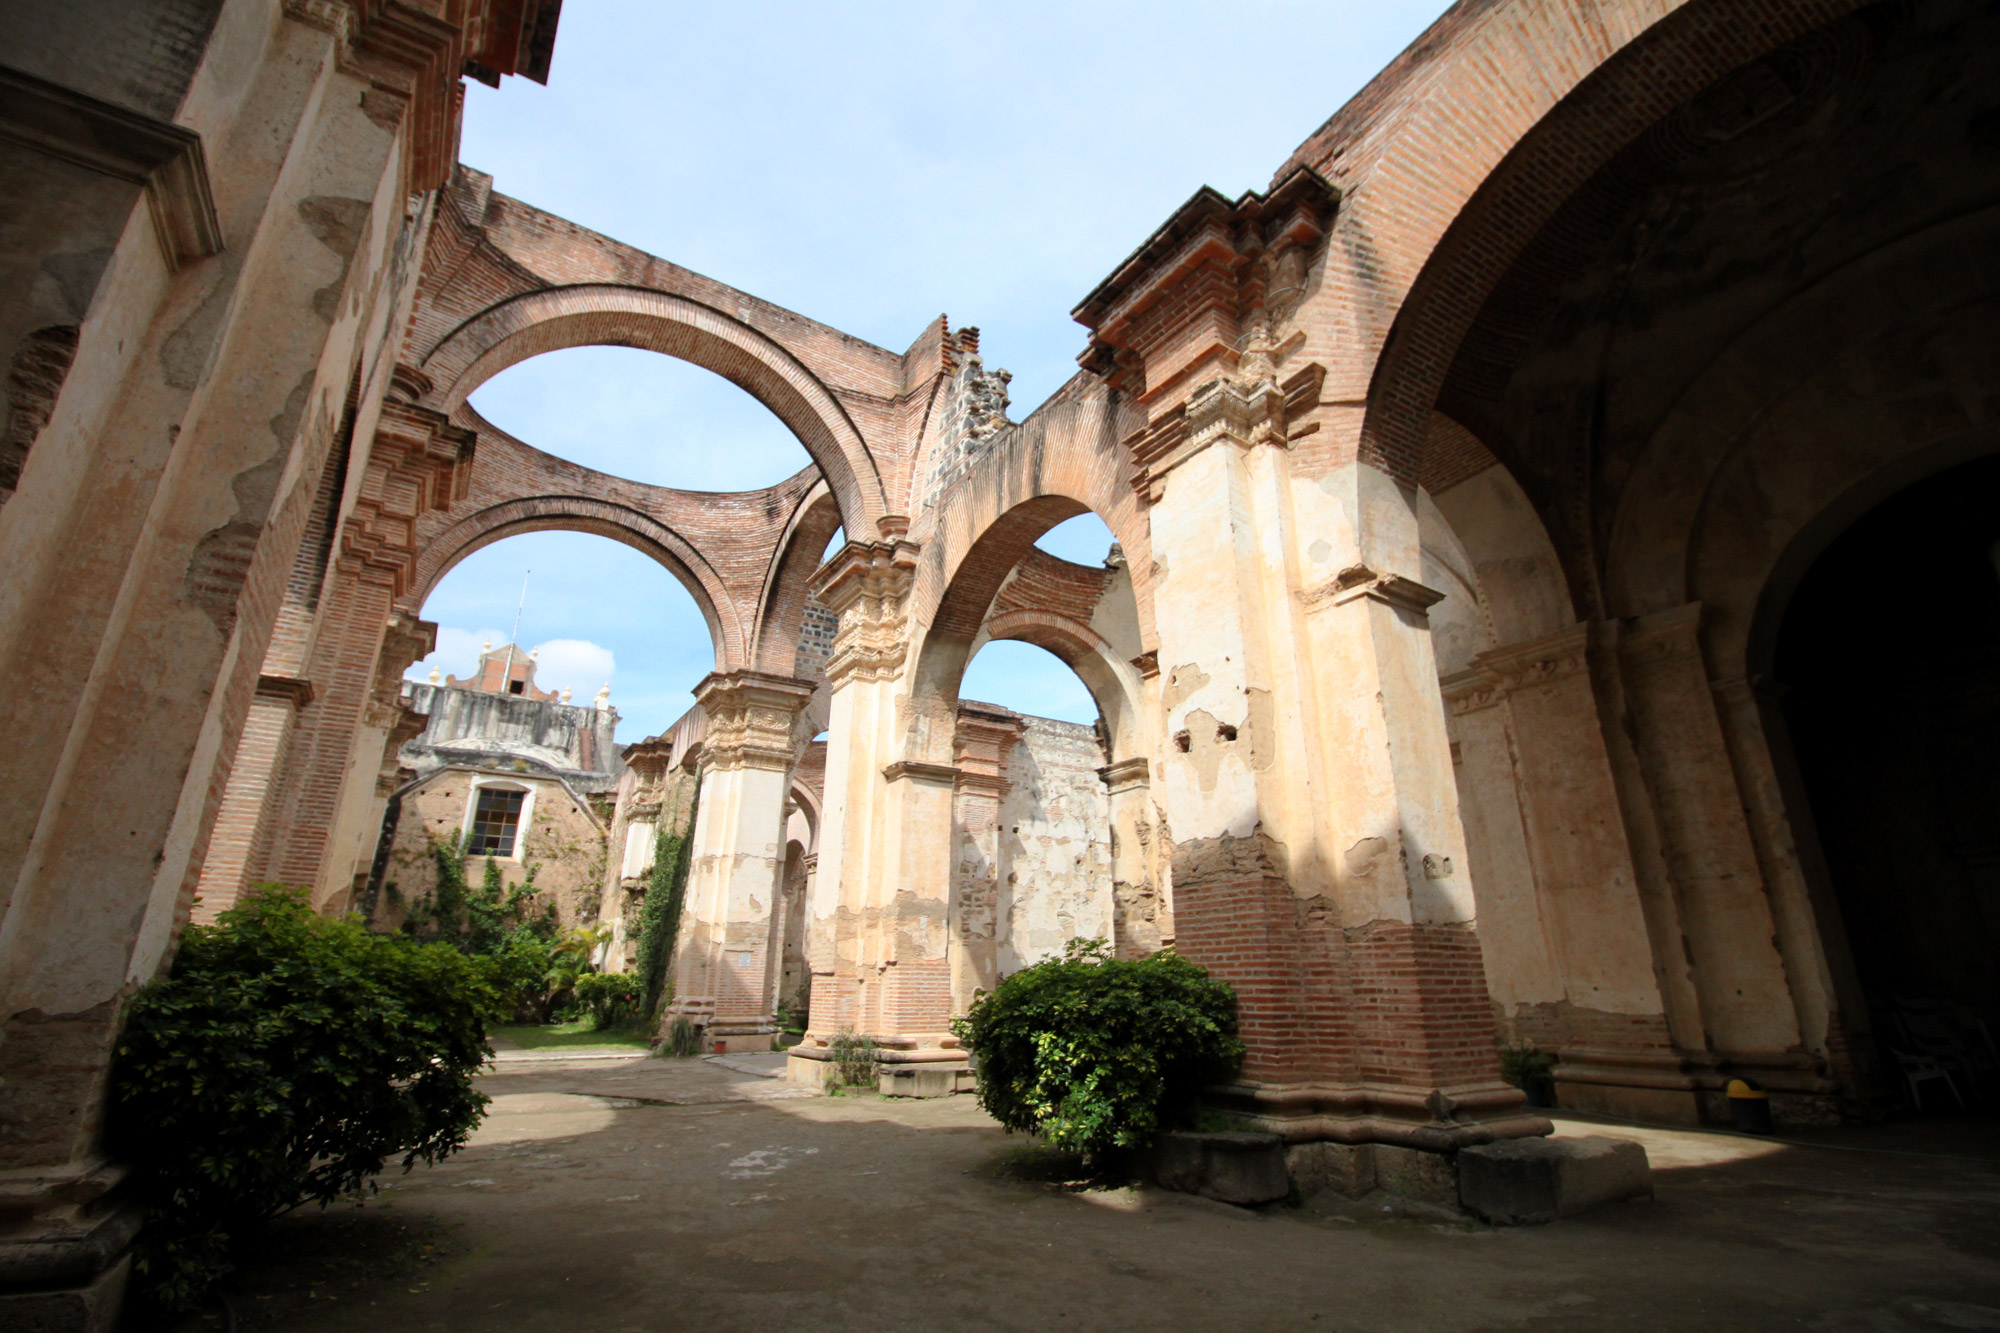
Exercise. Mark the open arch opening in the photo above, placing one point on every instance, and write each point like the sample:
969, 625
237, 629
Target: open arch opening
512, 749
1893, 735
648, 417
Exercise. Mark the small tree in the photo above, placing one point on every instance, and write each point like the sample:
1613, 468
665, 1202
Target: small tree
1098, 1054
288, 1058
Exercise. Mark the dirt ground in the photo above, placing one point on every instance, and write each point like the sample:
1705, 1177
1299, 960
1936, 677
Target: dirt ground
634, 1194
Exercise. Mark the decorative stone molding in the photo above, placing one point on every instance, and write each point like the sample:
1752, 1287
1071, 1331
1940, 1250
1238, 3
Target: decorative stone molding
1663, 636
407, 640
1551, 657
1126, 775
1470, 691
419, 462
1358, 581
1148, 663
413, 60
867, 585
919, 771
1185, 325
753, 719
165, 158
1187, 298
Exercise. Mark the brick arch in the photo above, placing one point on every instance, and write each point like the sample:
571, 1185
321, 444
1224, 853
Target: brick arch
569, 513
1454, 158
781, 605
523, 326
1111, 680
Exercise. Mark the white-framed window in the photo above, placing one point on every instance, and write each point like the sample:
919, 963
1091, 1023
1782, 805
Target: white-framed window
497, 814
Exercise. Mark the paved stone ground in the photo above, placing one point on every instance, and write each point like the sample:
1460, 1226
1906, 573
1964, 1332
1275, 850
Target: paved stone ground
665, 1195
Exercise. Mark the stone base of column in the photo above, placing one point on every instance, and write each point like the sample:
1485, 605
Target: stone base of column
64, 1249
1688, 1088
1440, 1121
904, 1066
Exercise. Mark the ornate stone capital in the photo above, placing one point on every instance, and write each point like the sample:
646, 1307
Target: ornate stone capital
753, 719
868, 586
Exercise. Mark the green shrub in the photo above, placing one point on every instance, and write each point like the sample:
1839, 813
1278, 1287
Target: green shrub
660, 913
610, 998
854, 1058
683, 1039
1098, 1054
285, 1061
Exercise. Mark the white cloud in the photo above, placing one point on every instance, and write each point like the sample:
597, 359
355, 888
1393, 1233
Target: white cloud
577, 663
456, 654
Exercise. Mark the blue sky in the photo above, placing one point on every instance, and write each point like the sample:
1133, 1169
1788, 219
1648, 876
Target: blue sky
869, 165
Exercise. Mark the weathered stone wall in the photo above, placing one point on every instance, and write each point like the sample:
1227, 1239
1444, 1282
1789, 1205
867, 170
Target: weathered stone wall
561, 839
1054, 843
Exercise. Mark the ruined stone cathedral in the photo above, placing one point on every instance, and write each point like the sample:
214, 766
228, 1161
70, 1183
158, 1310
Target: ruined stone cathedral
1556, 595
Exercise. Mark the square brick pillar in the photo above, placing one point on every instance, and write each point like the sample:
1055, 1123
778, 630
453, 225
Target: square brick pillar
728, 959
1318, 860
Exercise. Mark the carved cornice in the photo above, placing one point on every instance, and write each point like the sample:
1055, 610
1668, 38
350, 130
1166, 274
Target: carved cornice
1470, 691
1187, 297
868, 585
1359, 581
753, 719
413, 58
1663, 636
917, 771
294, 690
1539, 661
1148, 663
1126, 775
165, 158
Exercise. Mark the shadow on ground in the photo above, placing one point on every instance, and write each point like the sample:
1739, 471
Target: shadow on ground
664, 1195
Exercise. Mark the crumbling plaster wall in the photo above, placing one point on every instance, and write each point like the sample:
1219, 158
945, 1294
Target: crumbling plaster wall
562, 841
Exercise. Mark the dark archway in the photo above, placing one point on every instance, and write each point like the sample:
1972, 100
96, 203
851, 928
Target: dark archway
1889, 655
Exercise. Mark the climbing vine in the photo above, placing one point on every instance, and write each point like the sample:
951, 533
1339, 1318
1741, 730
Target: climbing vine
660, 917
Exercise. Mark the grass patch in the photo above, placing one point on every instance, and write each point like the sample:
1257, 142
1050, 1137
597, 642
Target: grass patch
564, 1035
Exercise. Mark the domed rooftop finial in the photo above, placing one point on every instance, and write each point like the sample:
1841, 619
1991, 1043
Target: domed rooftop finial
434, 675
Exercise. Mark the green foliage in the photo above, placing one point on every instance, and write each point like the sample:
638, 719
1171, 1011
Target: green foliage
683, 1039
1098, 1054
854, 1058
288, 1058
660, 917
1523, 1061
610, 998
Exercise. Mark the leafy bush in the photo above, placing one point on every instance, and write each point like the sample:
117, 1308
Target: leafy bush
1098, 1054
285, 1061
610, 998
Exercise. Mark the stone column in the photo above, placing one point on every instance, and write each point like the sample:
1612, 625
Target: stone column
1142, 920
985, 738
1727, 941
735, 889
1563, 914
374, 764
